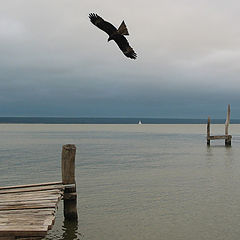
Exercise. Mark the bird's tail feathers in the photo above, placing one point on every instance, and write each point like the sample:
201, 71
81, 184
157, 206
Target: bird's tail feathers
123, 29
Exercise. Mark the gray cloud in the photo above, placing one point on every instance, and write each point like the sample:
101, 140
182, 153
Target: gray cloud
54, 62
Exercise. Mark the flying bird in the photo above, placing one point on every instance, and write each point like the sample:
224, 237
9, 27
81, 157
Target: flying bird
114, 34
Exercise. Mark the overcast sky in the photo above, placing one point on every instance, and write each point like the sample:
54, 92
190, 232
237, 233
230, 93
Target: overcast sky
54, 62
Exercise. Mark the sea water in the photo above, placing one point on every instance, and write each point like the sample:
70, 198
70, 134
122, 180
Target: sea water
134, 182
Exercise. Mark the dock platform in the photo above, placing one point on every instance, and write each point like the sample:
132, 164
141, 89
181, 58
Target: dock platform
27, 212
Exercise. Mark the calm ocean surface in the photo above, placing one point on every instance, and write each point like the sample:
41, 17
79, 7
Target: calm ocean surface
134, 182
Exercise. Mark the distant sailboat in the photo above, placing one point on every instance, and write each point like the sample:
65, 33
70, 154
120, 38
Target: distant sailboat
139, 122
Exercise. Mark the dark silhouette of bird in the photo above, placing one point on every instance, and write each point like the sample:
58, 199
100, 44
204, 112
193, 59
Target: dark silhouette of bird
114, 34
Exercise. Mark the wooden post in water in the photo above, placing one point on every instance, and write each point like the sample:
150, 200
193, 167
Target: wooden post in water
228, 138
68, 179
208, 132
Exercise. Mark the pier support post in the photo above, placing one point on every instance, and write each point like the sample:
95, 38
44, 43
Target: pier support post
227, 120
228, 137
68, 178
228, 141
208, 132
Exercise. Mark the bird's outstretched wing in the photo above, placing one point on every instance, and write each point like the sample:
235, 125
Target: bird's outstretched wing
102, 24
123, 44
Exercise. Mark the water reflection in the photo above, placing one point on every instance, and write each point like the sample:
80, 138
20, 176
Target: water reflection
219, 152
70, 230
228, 157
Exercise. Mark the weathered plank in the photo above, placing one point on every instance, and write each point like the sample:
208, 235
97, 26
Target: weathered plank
31, 189
30, 199
45, 192
23, 230
21, 216
31, 185
36, 194
48, 223
30, 211
28, 203
26, 206
219, 137
33, 220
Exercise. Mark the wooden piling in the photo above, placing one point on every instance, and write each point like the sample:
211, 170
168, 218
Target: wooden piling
228, 141
228, 138
227, 120
68, 179
208, 132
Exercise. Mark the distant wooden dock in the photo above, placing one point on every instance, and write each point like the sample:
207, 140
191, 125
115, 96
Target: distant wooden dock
226, 137
28, 211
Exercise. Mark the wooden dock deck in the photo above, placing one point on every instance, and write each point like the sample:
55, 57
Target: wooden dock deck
28, 211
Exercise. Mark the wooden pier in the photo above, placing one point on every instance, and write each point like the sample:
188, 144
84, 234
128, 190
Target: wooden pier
28, 211
226, 137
